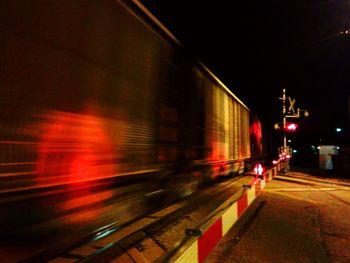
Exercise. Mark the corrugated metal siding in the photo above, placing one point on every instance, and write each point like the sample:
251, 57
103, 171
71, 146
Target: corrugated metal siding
231, 128
226, 124
221, 124
112, 83
216, 124
204, 87
237, 125
220, 130
245, 139
209, 121
89, 93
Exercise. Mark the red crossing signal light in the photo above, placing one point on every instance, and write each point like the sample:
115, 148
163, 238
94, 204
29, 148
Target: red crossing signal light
291, 127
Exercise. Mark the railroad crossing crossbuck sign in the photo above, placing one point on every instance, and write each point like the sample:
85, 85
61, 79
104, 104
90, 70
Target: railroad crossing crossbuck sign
291, 105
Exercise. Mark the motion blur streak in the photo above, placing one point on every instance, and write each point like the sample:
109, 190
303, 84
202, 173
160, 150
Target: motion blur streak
256, 135
75, 147
104, 115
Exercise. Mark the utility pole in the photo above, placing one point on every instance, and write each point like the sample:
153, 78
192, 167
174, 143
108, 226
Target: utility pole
284, 112
284, 122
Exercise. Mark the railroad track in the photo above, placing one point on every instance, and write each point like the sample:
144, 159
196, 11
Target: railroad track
150, 236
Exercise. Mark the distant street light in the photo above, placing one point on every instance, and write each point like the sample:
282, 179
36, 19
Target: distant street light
338, 129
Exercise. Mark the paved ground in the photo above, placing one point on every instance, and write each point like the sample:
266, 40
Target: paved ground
294, 220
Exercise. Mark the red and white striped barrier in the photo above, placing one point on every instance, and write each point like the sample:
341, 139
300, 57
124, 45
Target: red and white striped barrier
198, 248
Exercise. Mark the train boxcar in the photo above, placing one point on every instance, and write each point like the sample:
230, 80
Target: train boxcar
100, 90
227, 137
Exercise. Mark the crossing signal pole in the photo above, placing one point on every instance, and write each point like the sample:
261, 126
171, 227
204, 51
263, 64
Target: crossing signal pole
292, 114
284, 149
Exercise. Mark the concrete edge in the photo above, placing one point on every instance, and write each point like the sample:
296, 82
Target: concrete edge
204, 238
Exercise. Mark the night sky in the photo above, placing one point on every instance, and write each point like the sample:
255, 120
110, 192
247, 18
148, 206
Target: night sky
257, 48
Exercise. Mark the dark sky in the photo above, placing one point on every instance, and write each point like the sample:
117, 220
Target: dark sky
257, 48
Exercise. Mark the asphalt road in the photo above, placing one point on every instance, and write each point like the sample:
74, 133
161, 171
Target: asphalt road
298, 218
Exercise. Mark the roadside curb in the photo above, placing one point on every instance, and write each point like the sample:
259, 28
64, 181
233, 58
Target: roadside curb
202, 240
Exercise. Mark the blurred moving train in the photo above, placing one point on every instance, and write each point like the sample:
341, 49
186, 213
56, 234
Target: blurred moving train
100, 89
